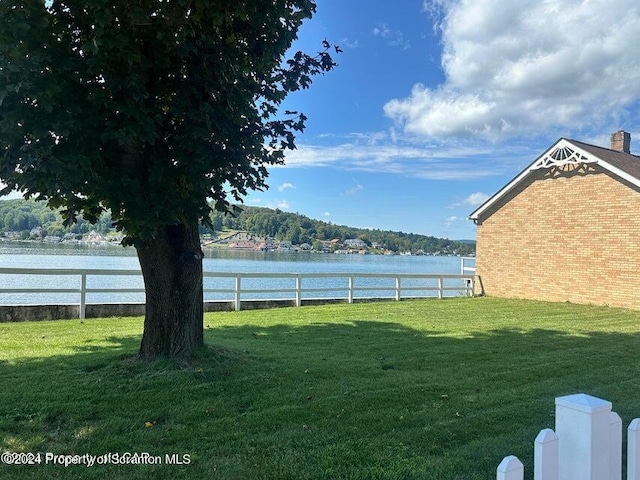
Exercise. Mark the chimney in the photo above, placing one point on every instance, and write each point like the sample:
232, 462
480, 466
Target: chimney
621, 141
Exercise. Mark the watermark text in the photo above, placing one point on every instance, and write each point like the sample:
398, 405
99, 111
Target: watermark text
89, 460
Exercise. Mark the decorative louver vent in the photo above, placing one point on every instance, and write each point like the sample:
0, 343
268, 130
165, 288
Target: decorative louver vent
561, 157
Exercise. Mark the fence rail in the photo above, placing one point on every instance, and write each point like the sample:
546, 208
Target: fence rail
236, 287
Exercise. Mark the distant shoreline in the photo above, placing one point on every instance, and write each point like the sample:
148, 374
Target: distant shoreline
207, 246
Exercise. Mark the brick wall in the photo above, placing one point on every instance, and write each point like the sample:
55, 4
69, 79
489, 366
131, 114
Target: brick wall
568, 236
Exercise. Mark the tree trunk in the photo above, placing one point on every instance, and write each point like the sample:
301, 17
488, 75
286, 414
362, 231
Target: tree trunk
172, 270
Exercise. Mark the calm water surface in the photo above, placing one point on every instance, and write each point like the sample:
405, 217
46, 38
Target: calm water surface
37, 255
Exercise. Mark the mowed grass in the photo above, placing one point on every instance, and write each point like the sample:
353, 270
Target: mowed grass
423, 389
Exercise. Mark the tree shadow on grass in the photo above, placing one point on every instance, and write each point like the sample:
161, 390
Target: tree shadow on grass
361, 399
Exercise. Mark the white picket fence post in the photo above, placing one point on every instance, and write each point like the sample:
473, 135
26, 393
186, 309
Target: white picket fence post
633, 450
615, 452
510, 469
582, 426
586, 444
545, 456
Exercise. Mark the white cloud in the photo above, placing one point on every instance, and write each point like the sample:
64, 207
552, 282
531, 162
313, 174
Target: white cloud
394, 38
449, 222
348, 43
474, 200
280, 204
285, 186
434, 161
524, 67
355, 189
326, 214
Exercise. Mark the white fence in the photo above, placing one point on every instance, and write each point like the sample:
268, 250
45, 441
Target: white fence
467, 265
238, 287
586, 445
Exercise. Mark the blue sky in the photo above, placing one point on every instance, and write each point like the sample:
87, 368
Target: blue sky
436, 104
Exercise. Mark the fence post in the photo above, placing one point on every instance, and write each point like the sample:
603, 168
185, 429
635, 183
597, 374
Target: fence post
237, 293
298, 291
440, 293
510, 468
398, 291
615, 445
350, 288
633, 450
583, 426
545, 456
83, 296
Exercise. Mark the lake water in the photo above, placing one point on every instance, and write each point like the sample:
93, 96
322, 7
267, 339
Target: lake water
37, 255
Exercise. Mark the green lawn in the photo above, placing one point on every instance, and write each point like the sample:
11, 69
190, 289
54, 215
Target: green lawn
422, 389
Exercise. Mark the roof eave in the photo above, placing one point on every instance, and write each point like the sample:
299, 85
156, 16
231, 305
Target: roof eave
475, 215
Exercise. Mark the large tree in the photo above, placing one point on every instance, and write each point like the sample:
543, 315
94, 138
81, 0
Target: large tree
155, 110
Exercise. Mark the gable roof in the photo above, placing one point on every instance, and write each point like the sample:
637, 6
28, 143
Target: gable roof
572, 152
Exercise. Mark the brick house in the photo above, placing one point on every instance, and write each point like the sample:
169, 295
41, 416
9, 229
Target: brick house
567, 228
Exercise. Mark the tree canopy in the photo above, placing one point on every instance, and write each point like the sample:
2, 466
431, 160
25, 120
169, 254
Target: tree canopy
147, 108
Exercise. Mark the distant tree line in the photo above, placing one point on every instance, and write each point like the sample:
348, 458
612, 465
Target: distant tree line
299, 229
25, 215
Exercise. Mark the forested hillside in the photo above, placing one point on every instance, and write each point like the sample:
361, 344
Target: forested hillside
300, 229
24, 216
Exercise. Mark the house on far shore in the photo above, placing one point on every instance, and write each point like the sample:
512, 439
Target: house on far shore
354, 243
567, 228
